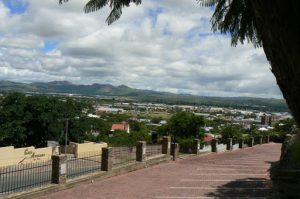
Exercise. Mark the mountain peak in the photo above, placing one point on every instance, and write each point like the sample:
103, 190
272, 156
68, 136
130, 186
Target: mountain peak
123, 86
60, 83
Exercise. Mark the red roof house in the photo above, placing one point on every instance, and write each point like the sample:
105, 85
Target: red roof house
124, 126
208, 137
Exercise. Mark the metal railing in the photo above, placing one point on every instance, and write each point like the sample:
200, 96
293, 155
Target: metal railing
22, 177
153, 149
84, 163
123, 155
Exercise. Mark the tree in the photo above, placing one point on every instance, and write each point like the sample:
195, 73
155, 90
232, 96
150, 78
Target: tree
231, 131
271, 24
185, 124
32, 120
13, 119
286, 125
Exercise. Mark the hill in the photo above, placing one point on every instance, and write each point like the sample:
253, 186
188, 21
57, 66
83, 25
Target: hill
265, 104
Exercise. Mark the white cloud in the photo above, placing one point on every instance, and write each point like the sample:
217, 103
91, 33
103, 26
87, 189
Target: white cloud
160, 45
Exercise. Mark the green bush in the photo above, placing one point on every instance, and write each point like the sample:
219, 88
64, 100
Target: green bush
121, 138
185, 144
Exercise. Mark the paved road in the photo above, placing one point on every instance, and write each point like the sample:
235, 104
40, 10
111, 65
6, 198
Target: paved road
236, 174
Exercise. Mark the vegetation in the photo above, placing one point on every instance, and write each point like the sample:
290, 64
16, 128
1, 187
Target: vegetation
231, 131
32, 120
185, 124
281, 129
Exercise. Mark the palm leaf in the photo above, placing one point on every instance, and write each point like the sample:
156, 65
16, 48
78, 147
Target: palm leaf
235, 17
116, 7
207, 3
94, 5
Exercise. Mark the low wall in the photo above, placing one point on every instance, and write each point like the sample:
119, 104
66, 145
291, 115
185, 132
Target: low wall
206, 148
88, 147
12, 156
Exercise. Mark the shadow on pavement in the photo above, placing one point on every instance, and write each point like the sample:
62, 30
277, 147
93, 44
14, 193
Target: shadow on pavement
246, 187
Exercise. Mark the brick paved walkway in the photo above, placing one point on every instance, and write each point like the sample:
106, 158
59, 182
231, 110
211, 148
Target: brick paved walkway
237, 174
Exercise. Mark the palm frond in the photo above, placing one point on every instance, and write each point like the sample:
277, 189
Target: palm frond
116, 7
237, 18
94, 5
207, 3
63, 1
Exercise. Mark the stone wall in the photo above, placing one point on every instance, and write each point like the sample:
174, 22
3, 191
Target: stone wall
11, 156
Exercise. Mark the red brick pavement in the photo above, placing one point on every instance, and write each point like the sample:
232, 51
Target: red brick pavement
236, 174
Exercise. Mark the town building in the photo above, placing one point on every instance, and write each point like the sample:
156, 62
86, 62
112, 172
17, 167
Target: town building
269, 120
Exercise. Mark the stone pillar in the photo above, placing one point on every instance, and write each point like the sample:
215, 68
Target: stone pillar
196, 146
241, 143
166, 145
106, 159
214, 145
140, 151
260, 140
174, 150
251, 142
229, 144
59, 169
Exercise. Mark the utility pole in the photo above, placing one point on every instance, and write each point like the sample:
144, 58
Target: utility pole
66, 139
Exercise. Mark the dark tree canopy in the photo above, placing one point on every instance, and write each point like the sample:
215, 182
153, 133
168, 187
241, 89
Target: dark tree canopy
32, 120
185, 124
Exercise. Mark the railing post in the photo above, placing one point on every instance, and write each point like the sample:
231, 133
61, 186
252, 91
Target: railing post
241, 143
174, 150
214, 145
59, 169
166, 145
229, 144
251, 142
196, 146
140, 151
106, 159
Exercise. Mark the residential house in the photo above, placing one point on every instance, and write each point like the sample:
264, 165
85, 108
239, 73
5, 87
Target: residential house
124, 126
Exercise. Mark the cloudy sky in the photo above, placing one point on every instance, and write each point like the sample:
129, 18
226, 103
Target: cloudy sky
163, 45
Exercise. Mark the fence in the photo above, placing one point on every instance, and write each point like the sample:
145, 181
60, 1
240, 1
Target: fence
24, 176
205, 148
85, 163
153, 149
123, 155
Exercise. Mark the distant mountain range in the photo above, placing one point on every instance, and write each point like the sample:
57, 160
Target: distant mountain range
144, 95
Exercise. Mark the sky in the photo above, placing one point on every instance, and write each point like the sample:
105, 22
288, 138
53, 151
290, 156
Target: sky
161, 45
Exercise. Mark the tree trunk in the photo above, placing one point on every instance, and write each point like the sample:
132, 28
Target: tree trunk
277, 22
